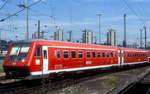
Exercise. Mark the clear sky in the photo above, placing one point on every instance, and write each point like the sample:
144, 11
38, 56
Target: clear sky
76, 15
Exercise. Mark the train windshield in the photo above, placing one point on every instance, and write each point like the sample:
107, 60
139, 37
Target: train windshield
19, 52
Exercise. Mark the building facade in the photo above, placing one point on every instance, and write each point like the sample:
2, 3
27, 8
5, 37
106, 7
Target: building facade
87, 36
58, 35
111, 37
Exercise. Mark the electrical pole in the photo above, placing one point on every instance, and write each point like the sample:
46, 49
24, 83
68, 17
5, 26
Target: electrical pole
38, 29
70, 32
95, 39
99, 22
141, 42
145, 36
125, 39
27, 18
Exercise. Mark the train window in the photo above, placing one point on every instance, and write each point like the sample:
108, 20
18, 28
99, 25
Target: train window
88, 54
58, 54
73, 54
114, 53
103, 54
111, 54
66, 54
45, 54
80, 54
93, 54
107, 54
38, 51
98, 54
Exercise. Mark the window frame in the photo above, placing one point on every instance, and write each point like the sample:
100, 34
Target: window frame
82, 54
111, 55
64, 54
73, 54
58, 54
103, 55
45, 54
98, 54
107, 54
88, 54
39, 52
93, 54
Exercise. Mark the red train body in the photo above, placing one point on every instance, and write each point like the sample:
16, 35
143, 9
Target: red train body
30, 60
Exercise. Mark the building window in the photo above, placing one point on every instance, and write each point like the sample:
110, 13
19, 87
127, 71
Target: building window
98, 54
88, 54
66, 54
93, 54
73, 54
80, 54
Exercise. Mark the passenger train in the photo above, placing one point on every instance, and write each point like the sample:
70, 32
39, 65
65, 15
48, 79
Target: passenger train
41, 58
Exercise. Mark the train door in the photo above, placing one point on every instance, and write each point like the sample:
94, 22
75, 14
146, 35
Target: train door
120, 57
45, 59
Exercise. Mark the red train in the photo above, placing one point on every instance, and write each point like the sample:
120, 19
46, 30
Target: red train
40, 58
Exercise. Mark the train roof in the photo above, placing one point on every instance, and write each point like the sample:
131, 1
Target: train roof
72, 44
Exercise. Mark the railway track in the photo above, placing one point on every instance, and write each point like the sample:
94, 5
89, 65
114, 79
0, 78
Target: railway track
140, 86
30, 87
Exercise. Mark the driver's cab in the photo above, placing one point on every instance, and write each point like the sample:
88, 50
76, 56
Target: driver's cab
18, 52
16, 60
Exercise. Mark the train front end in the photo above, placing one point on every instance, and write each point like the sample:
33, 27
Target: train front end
16, 61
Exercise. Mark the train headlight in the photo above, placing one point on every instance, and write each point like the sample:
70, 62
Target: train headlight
23, 60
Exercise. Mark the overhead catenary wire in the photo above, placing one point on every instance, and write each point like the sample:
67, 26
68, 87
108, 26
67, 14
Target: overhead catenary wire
4, 4
143, 10
20, 11
132, 10
39, 13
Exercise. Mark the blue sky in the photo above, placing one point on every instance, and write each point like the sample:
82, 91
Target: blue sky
83, 15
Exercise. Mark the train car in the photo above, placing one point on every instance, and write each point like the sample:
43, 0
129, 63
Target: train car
132, 56
149, 55
40, 58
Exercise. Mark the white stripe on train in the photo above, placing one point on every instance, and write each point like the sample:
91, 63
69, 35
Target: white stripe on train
82, 68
